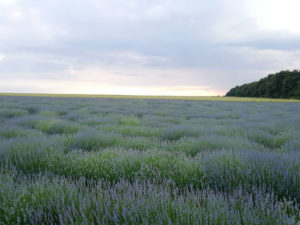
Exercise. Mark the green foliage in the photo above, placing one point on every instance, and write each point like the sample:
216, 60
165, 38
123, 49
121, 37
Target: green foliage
54, 126
128, 120
285, 84
142, 161
6, 113
41, 201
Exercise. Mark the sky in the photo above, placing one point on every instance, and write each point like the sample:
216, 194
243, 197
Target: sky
145, 47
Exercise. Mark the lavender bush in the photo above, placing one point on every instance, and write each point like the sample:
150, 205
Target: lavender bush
138, 161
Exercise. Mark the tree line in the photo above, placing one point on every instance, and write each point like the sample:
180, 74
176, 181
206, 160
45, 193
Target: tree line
285, 84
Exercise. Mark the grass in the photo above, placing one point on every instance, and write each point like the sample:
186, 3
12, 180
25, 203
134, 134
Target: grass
148, 161
61, 201
195, 98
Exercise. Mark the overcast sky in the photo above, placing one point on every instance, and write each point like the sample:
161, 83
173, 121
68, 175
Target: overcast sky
147, 47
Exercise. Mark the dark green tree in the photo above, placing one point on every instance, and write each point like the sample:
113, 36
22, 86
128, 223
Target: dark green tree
285, 84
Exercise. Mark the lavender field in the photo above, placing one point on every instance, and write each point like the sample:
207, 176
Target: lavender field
142, 161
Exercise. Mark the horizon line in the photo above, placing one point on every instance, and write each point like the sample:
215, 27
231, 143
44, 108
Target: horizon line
163, 97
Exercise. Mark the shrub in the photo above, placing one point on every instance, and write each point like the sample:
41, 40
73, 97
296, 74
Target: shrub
55, 126
92, 140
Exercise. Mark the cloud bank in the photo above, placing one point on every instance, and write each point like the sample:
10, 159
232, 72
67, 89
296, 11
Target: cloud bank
144, 47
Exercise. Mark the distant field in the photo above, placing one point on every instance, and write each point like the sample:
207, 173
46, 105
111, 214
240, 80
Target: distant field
195, 98
65, 159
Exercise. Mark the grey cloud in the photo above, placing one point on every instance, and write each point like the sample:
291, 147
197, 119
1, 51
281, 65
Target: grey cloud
49, 38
